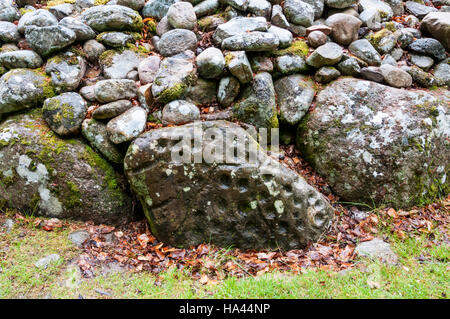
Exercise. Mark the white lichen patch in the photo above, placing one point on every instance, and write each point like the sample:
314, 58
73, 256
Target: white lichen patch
48, 202
279, 206
39, 175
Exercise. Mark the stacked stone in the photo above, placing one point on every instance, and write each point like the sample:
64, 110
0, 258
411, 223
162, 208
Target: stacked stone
104, 69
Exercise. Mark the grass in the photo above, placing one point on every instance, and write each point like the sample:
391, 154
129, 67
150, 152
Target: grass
423, 272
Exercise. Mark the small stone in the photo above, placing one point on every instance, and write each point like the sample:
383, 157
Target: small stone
61, 11
95, 132
127, 126
430, 47
66, 71
344, 28
251, 41
422, 61
181, 15
177, 41
8, 224
442, 72
327, 54
395, 77
257, 105
316, 39
340, 4
419, 10
319, 27
180, 112
82, 31
278, 18
210, 63
38, 18
201, 92
396, 53
20, 59
365, 51
117, 64
88, 92
93, 50
326, 74
206, 7
148, 68
46, 261
285, 37
419, 76
239, 25
48, 40
110, 110
289, 64
115, 89
387, 59
260, 8
239, 66
157, 8
112, 18
349, 67
377, 249
65, 113
174, 75
404, 37
261, 63
115, 39
163, 26
295, 94
9, 32
227, 90
383, 41
299, 12
79, 237
372, 73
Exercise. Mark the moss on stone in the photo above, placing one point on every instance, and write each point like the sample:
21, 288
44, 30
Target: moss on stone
100, 2
107, 57
52, 3
171, 93
298, 47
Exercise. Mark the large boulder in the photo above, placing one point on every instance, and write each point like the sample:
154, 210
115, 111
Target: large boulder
379, 145
50, 39
248, 204
48, 176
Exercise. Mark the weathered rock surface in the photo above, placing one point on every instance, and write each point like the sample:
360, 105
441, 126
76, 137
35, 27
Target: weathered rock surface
257, 105
177, 41
174, 75
127, 126
115, 89
112, 18
22, 89
66, 71
376, 143
48, 176
97, 135
117, 64
295, 94
438, 24
50, 39
65, 113
261, 205
25, 59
